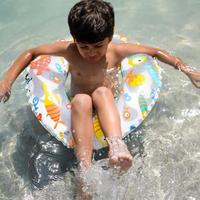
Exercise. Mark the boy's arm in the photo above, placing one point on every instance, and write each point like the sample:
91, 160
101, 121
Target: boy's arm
57, 48
129, 49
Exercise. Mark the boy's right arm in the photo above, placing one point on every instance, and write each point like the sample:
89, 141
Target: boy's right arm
57, 48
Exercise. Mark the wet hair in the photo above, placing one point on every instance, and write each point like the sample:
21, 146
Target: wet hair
91, 21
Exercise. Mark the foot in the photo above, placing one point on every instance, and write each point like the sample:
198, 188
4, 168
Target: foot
119, 155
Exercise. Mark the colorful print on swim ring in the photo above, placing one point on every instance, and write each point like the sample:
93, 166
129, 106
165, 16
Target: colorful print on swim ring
49, 102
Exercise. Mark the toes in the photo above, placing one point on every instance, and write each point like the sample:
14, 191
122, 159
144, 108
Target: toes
119, 155
121, 161
113, 160
126, 163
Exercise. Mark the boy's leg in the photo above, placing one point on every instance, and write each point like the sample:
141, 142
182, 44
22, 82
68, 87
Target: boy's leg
82, 128
104, 103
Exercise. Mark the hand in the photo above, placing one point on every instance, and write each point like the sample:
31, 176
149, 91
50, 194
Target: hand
193, 74
5, 91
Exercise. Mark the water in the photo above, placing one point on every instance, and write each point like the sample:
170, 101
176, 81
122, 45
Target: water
167, 145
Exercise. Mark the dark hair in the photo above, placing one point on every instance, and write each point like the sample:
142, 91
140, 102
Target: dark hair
91, 21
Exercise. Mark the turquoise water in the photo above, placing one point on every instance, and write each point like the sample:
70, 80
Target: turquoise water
167, 145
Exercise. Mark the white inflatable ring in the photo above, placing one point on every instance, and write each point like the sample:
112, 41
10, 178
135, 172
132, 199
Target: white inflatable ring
46, 90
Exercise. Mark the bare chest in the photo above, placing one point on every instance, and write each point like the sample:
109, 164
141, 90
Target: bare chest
87, 76
85, 72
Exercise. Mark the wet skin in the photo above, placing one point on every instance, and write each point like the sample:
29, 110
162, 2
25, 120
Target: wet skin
88, 74
88, 67
92, 61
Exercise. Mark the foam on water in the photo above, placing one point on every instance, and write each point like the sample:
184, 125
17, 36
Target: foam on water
166, 146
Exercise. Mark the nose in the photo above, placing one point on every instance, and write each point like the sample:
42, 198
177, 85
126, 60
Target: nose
92, 51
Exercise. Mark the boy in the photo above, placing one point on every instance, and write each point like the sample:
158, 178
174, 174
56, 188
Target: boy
91, 55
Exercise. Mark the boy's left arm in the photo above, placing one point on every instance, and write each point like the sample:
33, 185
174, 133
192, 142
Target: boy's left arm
129, 49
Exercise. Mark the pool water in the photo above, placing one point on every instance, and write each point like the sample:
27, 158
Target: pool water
166, 146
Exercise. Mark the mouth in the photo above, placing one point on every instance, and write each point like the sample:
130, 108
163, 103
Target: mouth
92, 58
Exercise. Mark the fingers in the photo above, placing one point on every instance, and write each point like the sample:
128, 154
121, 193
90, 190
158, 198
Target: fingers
5, 91
195, 80
196, 83
5, 97
1, 97
193, 75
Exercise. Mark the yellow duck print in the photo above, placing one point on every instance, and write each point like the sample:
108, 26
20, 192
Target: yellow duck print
134, 80
51, 103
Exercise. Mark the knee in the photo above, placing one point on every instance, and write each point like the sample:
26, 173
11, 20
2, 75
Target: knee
81, 103
101, 92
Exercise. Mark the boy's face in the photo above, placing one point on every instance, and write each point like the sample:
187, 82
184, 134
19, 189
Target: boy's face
93, 52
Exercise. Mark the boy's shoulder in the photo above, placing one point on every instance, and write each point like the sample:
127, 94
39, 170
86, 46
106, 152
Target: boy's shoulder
64, 43
67, 47
126, 49
120, 49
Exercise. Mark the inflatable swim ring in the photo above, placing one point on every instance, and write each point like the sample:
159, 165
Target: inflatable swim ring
46, 90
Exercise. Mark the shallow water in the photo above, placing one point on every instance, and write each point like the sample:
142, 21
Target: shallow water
167, 144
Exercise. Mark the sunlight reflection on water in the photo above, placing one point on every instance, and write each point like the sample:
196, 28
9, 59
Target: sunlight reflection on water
166, 145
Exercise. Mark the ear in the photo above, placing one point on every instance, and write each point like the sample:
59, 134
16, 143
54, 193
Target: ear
110, 38
75, 41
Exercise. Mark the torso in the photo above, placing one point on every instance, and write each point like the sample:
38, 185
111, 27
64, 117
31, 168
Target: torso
86, 76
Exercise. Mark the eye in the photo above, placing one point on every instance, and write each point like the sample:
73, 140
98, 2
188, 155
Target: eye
99, 46
83, 47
